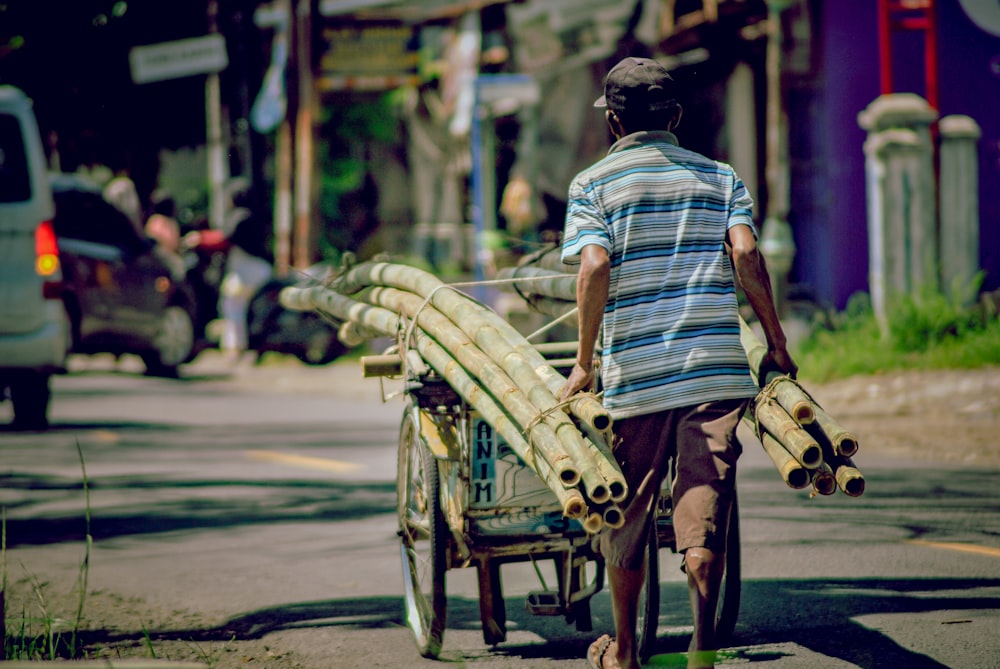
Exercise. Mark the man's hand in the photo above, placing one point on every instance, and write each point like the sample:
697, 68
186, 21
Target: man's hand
777, 359
579, 379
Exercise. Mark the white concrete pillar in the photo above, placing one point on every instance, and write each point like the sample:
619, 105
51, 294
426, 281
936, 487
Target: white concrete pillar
902, 201
959, 191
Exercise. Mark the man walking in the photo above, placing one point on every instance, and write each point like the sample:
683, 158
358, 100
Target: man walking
657, 231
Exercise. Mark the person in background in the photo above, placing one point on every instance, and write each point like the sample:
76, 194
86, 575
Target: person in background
248, 267
120, 191
657, 231
162, 223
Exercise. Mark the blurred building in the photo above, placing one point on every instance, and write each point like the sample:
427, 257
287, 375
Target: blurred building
417, 170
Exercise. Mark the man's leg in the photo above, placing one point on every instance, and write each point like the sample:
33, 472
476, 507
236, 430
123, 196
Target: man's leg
703, 490
704, 571
643, 455
625, 586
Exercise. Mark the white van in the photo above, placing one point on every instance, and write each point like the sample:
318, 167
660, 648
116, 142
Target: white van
34, 334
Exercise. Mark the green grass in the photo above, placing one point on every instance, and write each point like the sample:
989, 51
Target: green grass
40, 634
926, 331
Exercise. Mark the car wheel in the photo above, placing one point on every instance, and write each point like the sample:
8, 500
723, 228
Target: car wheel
30, 394
173, 344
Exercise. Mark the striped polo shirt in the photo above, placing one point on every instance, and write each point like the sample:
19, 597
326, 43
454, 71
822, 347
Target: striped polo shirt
671, 330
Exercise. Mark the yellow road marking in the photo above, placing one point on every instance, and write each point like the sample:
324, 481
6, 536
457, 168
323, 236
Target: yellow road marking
338, 466
966, 548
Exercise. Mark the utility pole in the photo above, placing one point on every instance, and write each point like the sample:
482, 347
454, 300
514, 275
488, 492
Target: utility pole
217, 171
305, 233
777, 244
284, 166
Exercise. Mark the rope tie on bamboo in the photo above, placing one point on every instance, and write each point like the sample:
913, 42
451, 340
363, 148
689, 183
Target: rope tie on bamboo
770, 393
562, 405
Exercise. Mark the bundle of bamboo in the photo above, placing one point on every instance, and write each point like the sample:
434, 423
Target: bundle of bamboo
493, 368
806, 444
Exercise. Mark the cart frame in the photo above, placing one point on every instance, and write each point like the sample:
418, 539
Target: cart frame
440, 530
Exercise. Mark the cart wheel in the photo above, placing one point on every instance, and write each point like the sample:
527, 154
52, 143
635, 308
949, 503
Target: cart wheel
423, 538
729, 595
649, 599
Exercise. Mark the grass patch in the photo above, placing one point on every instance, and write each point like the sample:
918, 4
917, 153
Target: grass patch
39, 634
926, 331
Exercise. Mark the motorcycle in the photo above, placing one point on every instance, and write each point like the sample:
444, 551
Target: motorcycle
270, 327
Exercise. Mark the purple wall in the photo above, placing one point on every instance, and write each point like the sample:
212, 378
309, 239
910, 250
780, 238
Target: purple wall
970, 84
829, 212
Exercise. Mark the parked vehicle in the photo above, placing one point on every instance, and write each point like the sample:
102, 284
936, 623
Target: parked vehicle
33, 325
270, 327
122, 293
304, 334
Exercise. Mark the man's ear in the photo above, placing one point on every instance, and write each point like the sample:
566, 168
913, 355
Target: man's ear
615, 124
676, 113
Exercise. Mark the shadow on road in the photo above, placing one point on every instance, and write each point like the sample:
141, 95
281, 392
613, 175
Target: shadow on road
774, 612
233, 504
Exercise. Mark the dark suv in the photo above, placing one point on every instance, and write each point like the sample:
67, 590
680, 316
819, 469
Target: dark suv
123, 294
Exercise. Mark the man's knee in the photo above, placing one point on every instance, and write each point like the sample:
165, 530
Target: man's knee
702, 563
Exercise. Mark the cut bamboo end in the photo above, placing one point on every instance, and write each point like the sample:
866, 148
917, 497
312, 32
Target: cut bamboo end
795, 401
599, 494
618, 490
803, 447
569, 476
802, 413
811, 455
844, 442
593, 523
574, 506
851, 481
846, 446
592, 412
796, 477
613, 517
792, 472
824, 482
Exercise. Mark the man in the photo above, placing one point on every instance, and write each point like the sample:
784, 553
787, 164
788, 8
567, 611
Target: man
657, 230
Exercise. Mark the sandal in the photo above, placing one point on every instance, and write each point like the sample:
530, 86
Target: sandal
599, 655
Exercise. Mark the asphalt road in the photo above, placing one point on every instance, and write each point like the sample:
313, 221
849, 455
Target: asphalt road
244, 518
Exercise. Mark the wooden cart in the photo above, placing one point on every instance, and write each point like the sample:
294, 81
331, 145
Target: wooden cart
465, 499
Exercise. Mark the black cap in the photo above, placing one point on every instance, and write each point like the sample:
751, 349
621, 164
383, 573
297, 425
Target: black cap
638, 85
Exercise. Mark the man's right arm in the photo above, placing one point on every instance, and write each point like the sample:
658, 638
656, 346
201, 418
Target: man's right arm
753, 277
591, 299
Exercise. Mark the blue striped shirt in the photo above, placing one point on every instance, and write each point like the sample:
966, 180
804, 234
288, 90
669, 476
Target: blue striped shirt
671, 330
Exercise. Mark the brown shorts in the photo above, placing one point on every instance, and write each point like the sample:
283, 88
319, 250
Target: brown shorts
703, 439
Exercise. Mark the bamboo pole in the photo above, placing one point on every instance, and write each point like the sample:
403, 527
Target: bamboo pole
849, 478
613, 516
823, 480
464, 312
776, 421
507, 377
527, 279
606, 461
844, 443
790, 469
593, 522
389, 323
795, 401
549, 258
533, 280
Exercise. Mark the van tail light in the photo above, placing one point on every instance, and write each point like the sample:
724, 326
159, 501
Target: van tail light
47, 261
